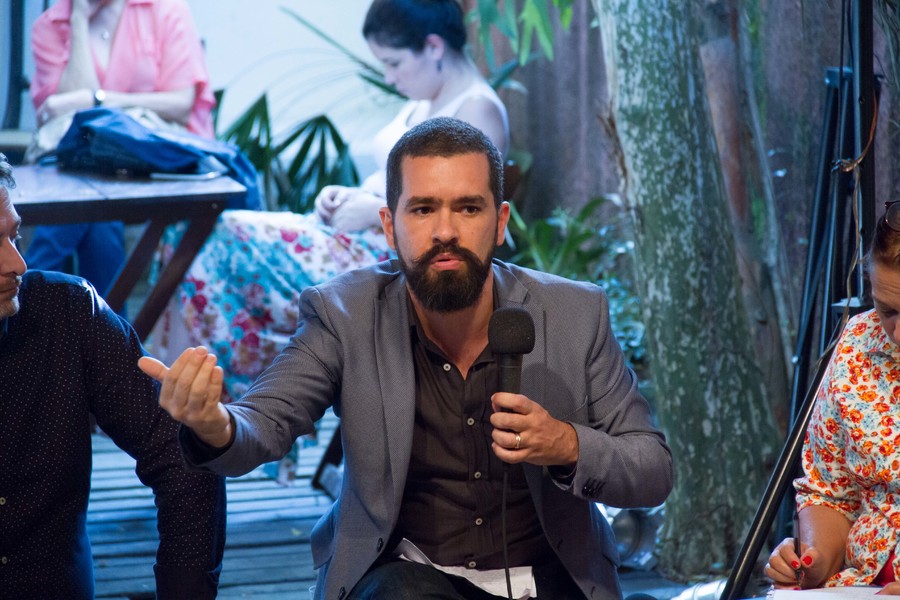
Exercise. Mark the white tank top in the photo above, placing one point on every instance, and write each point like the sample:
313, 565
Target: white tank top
385, 139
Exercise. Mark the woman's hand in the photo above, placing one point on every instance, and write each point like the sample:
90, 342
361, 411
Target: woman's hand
64, 103
348, 209
784, 564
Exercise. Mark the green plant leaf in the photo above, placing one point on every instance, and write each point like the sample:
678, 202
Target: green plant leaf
535, 19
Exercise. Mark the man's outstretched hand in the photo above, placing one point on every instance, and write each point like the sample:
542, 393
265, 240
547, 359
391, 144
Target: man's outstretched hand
191, 392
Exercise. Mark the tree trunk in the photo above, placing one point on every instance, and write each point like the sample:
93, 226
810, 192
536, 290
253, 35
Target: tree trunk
710, 395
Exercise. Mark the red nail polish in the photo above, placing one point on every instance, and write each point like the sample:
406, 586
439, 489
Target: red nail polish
795, 564
807, 560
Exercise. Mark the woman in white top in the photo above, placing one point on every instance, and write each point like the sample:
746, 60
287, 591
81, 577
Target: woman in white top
421, 44
241, 294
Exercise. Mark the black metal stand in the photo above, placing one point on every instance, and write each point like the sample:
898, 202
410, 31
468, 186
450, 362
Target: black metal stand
16, 82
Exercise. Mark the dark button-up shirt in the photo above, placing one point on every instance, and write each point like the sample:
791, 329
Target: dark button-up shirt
63, 357
452, 501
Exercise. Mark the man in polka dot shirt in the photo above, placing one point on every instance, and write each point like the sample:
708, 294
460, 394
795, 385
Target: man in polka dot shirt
64, 357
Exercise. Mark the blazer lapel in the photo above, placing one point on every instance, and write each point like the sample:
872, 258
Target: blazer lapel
512, 293
396, 378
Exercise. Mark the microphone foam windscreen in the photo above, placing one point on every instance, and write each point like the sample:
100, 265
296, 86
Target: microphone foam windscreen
511, 331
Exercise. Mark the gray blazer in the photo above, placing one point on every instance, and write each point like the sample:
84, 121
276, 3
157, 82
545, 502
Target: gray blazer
352, 350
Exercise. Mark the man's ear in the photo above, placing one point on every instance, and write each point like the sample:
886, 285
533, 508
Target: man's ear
387, 224
502, 221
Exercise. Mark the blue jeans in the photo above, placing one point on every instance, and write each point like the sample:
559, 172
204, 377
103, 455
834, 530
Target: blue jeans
99, 247
402, 580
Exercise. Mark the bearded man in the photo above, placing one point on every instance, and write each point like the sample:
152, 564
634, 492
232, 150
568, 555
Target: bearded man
401, 352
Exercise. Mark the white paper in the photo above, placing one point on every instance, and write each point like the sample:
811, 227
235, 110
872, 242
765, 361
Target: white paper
494, 582
824, 593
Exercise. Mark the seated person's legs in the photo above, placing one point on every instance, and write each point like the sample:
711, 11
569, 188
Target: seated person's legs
52, 245
100, 248
101, 254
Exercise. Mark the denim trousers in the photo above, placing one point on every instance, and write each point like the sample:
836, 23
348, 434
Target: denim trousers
99, 248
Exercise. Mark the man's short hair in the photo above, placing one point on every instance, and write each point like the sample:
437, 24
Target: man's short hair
6, 176
444, 137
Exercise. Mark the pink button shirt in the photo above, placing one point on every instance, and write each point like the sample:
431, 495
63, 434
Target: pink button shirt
155, 49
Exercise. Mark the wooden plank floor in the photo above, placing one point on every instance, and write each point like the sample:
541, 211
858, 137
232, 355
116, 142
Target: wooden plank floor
267, 552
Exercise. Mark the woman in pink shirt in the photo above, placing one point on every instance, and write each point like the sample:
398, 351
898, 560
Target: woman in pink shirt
120, 53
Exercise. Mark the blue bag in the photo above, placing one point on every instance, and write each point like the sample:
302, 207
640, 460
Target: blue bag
106, 140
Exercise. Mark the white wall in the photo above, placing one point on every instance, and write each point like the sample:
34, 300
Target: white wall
254, 46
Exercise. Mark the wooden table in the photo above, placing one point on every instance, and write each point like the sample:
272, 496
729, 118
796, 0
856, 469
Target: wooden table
46, 196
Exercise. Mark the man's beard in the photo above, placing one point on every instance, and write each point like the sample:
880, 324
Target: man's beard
447, 291
9, 308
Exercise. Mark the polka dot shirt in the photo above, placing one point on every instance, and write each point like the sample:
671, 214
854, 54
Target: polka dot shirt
64, 357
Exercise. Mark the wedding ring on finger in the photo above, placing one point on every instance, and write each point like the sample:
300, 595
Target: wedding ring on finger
518, 441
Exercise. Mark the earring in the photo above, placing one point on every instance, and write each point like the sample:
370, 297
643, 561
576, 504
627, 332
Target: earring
440, 64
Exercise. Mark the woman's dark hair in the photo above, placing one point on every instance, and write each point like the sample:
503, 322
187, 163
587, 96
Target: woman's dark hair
406, 23
444, 137
885, 247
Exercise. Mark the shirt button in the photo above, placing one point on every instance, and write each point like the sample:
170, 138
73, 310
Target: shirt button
477, 474
2, 501
479, 521
470, 421
3, 560
471, 564
447, 366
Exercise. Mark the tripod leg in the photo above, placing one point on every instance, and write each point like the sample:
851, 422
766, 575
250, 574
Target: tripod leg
778, 484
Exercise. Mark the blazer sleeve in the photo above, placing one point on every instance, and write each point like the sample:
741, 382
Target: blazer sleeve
288, 397
623, 458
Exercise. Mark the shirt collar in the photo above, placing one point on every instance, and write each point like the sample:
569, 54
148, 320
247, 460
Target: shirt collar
872, 336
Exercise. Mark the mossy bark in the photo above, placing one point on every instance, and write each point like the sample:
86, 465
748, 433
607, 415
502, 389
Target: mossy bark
710, 394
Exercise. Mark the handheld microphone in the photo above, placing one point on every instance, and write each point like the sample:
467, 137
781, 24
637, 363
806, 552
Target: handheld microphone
510, 335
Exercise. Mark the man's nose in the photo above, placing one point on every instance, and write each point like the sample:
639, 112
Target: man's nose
11, 261
445, 227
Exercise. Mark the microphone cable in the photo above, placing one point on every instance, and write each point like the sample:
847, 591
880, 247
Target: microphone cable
503, 529
510, 335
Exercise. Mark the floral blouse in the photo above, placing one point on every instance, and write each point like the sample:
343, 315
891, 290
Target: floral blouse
851, 456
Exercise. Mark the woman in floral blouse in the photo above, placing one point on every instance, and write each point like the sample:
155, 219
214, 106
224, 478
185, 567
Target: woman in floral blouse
848, 501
